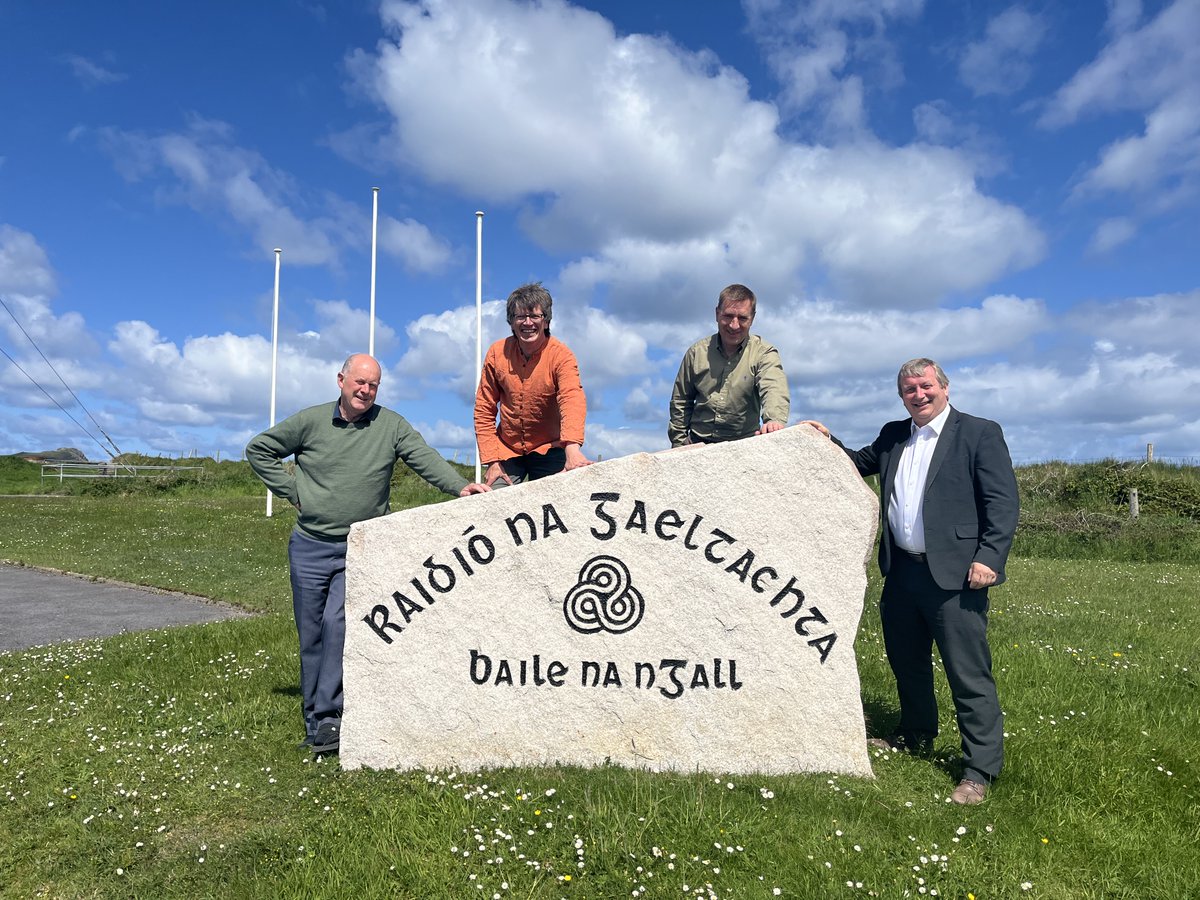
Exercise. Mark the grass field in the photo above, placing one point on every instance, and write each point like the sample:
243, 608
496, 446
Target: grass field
163, 764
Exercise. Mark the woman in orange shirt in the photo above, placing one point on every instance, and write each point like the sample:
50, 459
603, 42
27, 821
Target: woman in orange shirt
530, 384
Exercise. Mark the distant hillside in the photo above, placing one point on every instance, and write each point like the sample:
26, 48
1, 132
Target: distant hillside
62, 454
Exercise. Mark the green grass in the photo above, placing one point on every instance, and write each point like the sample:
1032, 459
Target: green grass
162, 764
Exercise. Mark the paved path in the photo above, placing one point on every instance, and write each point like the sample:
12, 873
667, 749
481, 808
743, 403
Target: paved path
41, 607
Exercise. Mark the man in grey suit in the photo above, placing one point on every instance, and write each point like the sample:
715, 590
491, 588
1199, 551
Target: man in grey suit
949, 510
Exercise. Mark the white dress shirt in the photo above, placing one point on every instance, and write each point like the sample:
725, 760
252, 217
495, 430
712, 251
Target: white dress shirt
906, 517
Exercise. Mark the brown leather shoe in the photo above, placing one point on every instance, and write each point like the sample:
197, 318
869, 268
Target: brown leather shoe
968, 793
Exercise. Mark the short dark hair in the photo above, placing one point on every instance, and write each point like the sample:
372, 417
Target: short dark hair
530, 297
915, 367
737, 293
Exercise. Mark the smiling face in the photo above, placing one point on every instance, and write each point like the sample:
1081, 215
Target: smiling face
734, 318
924, 396
529, 328
359, 383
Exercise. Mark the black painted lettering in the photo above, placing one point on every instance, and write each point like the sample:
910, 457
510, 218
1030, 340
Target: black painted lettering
803, 620
824, 644
556, 672
687, 540
481, 667
699, 677
741, 568
516, 535
733, 679
504, 673
643, 674
603, 516
790, 588
637, 518
406, 606
673, 665
382, 628
439, 575
758, 588
612, 677
668, 518
721, 537
551, 521
589, 668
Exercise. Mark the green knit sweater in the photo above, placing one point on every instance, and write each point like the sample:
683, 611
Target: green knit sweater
343, 469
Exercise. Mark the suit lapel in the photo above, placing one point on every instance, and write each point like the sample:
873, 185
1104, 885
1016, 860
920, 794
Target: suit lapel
894, 454
940, 451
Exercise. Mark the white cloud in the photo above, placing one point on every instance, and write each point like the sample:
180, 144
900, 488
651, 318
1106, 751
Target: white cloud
1001, 62
604, 442
1136, 71
1149, 69
91, 74
1111, 233
204, 168
813, 47
604, 139
414, 244
24, 266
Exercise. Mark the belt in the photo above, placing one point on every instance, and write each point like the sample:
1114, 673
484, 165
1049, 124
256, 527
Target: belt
915, 557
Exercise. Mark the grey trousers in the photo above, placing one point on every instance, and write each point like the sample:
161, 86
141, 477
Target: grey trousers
318, 573
916, 613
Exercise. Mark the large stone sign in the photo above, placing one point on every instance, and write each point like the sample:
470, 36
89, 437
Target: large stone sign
691, 609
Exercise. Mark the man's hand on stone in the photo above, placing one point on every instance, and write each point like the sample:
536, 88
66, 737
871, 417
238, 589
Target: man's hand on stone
474, 488
496, 471
768, 427
817, 425
575, 457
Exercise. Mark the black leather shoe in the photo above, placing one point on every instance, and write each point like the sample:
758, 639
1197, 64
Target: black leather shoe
327, 739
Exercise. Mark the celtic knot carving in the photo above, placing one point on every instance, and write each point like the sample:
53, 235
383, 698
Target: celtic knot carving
604, 599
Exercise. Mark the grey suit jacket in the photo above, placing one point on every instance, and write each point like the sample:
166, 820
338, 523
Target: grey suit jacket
970, 502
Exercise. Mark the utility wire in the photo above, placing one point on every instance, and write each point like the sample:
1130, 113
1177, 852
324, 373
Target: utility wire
99, 427
55, 402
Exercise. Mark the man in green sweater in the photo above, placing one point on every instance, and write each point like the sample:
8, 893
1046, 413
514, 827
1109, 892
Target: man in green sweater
345, 454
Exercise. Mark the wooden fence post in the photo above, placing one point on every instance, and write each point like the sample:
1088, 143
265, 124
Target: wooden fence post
1134, 510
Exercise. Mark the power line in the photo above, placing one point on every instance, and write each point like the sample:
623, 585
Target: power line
99, 427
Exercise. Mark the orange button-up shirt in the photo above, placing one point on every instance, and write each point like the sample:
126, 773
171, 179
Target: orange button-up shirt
540, 401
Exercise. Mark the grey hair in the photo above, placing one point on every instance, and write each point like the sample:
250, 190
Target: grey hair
915, 367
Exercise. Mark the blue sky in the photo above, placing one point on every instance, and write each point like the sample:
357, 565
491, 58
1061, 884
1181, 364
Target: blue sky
1013, 190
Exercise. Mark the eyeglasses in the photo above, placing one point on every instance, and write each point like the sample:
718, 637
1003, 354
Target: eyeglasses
521, 317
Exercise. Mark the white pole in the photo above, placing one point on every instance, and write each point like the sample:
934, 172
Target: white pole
274, 356
478, 322
374, 245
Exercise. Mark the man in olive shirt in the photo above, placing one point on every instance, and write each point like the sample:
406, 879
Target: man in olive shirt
729, 382
345, 453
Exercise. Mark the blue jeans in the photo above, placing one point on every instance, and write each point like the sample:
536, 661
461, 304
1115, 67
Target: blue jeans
318, 573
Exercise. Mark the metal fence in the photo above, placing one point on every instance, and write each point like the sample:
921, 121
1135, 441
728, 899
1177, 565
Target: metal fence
62, 470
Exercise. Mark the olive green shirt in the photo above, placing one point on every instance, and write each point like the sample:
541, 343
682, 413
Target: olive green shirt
343, 469
723, 399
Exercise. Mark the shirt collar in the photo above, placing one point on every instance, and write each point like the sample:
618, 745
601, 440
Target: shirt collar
366, 417
935, 425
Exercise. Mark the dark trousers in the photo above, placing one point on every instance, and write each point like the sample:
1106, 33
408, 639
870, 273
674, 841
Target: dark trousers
916, 613
532, 466
318, 573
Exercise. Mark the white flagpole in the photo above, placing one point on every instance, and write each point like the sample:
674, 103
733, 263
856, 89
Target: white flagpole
374, 245
274, 356
478, 323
